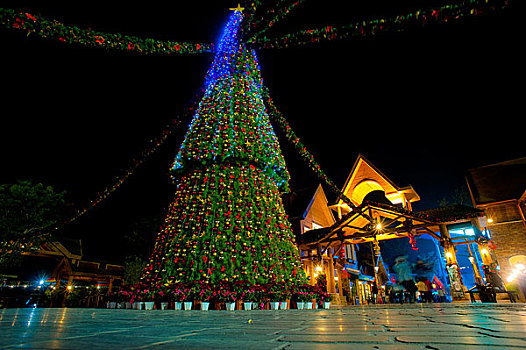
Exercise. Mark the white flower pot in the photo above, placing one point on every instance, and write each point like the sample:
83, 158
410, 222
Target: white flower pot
129, 305
308, 305
164, 305
148, 305
274, 305
283, 305
300, 305
248, 305
230, 306
178, 305
188, 305
204, 305
112, 305
326, 304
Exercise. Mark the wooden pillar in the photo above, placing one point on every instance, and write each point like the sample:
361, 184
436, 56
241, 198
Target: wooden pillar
340, 290
474, 265
110, 284
485, 253
331, 286
449, 247
310, 268
457, 286
483, 247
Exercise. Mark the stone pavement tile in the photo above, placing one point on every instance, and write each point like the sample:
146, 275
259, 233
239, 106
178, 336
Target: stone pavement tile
344, 328
462, 340
220, 344
466, 347
334, 338
347, 346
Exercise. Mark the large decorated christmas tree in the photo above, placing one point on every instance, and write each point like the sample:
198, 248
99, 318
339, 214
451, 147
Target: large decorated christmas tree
227, 221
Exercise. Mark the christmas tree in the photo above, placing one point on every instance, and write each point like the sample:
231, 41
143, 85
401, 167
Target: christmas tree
227, 221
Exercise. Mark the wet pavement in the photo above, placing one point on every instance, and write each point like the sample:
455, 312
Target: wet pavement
390, 327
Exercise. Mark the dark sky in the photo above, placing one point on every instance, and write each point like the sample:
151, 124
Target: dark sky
424, 105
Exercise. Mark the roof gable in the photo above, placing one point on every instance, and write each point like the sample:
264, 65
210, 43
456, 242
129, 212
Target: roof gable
366, 177
318, 211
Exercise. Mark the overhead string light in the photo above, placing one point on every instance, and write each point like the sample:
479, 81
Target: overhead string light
454, 11
53, 29
258, 20
266, 20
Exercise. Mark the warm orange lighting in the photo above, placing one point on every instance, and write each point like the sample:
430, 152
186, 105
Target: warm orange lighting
484, 251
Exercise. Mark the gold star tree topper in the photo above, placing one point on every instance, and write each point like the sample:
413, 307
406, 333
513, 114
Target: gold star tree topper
238, 8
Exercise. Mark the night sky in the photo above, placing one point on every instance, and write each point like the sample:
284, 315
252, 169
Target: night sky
424, 105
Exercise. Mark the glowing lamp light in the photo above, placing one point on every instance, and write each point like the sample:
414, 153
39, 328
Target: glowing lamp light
378, 226
484, 251
41, 282
520, 266
318, 268
449, 255
510, 278
69, 287
490, 220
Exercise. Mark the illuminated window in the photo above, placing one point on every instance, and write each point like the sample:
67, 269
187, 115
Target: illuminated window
463, 232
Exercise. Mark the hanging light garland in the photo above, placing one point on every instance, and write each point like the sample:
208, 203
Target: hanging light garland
154, 145
53, 29
276, 115
276, 13
442, 14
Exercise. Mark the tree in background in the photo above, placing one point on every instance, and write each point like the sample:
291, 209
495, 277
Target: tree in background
26, 211
227, 221
459, 196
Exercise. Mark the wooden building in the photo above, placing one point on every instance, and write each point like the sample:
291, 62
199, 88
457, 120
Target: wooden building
381, 210
64, 262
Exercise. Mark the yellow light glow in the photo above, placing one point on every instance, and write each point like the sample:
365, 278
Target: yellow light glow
484, 251
490, 220
378, 226
449, 255
69, 287
520, 266
318, 268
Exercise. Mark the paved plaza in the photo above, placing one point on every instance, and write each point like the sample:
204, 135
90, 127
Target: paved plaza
390, 327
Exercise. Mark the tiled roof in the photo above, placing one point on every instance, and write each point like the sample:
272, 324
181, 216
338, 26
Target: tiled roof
451, 213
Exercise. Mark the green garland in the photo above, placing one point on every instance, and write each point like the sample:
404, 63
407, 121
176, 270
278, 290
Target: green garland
277, 13
52, 29
276, 115
442, 14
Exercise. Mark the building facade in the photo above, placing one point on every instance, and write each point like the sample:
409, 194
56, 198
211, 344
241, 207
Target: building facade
500, 191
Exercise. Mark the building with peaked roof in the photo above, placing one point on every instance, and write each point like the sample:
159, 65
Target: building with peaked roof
63, 263
308, 210
380, 210
500, 191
